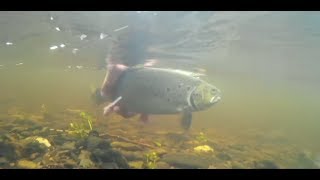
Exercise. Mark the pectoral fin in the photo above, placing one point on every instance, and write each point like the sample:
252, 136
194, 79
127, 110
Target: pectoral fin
186, 119
109, 108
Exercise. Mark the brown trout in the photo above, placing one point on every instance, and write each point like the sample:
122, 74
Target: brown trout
148, 90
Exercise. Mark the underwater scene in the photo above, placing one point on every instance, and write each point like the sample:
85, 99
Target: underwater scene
159, 90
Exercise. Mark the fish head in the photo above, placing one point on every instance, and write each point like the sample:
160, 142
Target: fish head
204, 96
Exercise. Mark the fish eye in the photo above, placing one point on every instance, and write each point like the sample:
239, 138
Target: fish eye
213, 90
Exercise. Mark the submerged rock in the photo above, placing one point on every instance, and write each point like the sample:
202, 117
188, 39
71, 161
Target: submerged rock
188, 160
99, 155
81, 143
22, 121
224, 156
203, 149
238, 147
163, 165
120, 160
34, 145
306, 161
43, 141
7, 150
94, 142
132, 156
68, 146
126, 146
108, 156
43, 132
136, 164
19, 129
25, 164
69, 163
59, 139
93, 151
34, 156
26, 133
265, 164
160, 152
237, 165
109, 166
3, 162
85, 160
176, 139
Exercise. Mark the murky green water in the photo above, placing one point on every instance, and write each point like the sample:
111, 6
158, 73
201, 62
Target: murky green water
265, 63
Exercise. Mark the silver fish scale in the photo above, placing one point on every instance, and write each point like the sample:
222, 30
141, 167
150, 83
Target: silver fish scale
155, 90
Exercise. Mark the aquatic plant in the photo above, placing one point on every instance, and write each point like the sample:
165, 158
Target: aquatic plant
202, 137
84, 127
151, 160
88, 118
157, 143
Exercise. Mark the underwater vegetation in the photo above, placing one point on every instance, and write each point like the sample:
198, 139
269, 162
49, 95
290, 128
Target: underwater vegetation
201, 137
83, 128
151, 160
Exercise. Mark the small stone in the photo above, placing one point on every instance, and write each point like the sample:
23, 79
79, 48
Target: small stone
305, 160
120, 160
237, 165
99, 155
136, 164
109, 166
132, 156
3, 161
265, 164
43, 141
94, 142
31, 146
69, 163
69, 145
203, 149
94, 133
188, 160
239, 147
7, 150
85, 160
34, 155
25, 164
59, 140
163, 165
160, 151
38, 159
26, 133
126, 146
224, 156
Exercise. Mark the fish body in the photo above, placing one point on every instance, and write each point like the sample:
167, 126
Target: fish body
164, 91
147, 90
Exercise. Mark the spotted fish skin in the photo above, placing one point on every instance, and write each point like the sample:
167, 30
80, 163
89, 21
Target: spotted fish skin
149, 90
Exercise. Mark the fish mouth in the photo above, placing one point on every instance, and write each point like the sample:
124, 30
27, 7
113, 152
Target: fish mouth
215, 98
